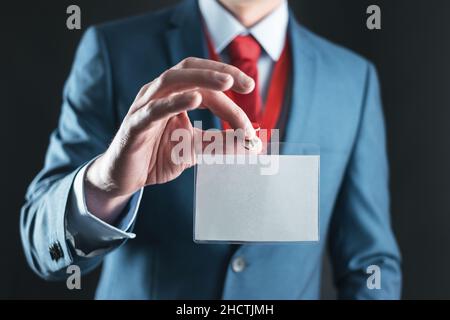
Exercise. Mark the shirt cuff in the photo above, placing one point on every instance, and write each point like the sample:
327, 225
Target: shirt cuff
89, 235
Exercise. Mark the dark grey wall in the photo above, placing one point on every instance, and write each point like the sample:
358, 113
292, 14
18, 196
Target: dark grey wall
411, 53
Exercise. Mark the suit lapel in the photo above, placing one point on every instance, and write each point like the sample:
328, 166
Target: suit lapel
185, 38
303, 122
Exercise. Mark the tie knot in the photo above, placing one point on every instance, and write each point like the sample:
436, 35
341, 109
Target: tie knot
244, 48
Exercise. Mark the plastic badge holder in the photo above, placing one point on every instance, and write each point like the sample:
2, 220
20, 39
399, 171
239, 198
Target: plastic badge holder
271, 197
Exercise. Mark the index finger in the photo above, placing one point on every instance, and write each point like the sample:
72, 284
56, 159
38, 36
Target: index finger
242, 82
224, 108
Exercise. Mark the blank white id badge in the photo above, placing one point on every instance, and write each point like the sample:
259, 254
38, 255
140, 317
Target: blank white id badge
261, 198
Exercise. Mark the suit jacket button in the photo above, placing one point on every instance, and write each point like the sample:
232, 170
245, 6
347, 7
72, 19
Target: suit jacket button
238, 265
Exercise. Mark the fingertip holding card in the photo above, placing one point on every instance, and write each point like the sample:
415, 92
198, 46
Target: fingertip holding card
254, 144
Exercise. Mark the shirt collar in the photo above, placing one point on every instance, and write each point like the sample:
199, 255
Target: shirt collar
223, 27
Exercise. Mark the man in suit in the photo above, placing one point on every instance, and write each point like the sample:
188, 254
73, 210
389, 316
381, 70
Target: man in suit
108, 175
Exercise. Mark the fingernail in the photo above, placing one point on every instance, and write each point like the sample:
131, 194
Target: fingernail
253, 131
222, 77
250, 133
190, 95
245, 80
254, 145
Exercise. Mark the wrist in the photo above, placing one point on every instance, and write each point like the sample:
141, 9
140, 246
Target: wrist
102, 196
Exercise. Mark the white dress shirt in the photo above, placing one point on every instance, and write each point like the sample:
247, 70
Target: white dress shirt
91, 236
270, 33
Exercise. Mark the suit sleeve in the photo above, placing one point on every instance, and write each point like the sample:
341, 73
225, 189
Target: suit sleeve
89, 235
86, 126
360, 232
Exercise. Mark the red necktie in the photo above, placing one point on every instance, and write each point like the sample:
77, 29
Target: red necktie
244, 53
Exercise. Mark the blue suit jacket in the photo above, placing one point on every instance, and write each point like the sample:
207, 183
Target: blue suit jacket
335, 103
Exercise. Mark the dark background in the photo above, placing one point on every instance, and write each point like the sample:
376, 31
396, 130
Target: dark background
412, 54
